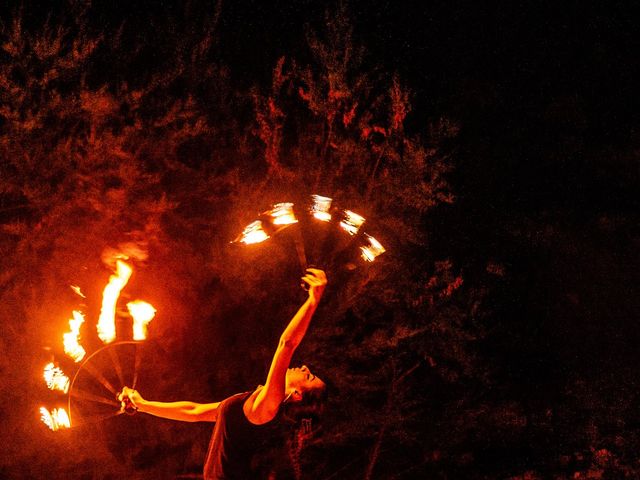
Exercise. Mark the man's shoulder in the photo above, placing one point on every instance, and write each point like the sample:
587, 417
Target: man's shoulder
258, 414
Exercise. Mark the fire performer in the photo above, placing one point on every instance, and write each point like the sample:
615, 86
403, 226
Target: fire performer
244, 421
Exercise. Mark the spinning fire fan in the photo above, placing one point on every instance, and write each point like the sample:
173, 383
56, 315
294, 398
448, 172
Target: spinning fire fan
92, 392
324, 235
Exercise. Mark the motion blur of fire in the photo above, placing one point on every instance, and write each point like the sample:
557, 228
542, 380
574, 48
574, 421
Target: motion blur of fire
282, 214
351, 222
106, 323
372, 249
142, 313
253, 233
320, 207
70, 339
55, 378
56, 419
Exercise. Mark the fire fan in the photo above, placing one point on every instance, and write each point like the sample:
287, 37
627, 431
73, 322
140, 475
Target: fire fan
324, 234
91, 393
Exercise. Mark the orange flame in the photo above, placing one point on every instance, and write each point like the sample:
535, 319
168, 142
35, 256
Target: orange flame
351, 222
70, 339
142, 313
372, 250
282, 214
106, 322
55, 378
320, 207
56, 419
253, 233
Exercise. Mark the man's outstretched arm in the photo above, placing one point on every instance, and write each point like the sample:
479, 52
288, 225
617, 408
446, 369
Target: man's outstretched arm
297, 327
183, 411
268, 401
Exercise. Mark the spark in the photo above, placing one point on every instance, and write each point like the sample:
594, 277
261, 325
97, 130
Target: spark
76, 289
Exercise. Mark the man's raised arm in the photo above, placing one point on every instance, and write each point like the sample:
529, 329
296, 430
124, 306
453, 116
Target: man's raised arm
268, 401
295, 331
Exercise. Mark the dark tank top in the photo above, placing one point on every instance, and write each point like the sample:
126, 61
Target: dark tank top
234, 442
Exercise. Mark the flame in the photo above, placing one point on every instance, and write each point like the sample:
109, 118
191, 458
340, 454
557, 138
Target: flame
142, 313
253, 233
320, 207
55, 378
56, 419
282, 214
70, 339
372, 250
351, 222
106, 322
76, 289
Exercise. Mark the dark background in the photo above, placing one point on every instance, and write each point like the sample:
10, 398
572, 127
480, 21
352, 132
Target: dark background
496, 338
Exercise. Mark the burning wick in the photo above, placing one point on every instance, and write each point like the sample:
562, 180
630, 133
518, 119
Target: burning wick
70, 339
55, 378
282, 214
253, 233
351, 222
320, 207
142, 313
56, 419
372, 249
106, 323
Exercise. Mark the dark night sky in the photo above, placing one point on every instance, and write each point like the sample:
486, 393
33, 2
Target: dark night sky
546, 169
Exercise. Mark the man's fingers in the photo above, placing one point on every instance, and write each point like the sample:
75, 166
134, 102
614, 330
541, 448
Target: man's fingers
316, 271
317, 274
310, 280
314, 278
126, 394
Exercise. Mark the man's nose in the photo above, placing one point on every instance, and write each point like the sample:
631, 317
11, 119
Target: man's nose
304, 368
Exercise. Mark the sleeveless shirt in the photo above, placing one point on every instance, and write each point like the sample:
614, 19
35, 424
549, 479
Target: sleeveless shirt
234, 442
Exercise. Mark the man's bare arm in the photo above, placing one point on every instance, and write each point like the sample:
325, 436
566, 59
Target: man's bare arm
183, 411
268, 400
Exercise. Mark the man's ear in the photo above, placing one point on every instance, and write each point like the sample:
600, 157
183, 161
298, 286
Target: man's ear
296, 396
